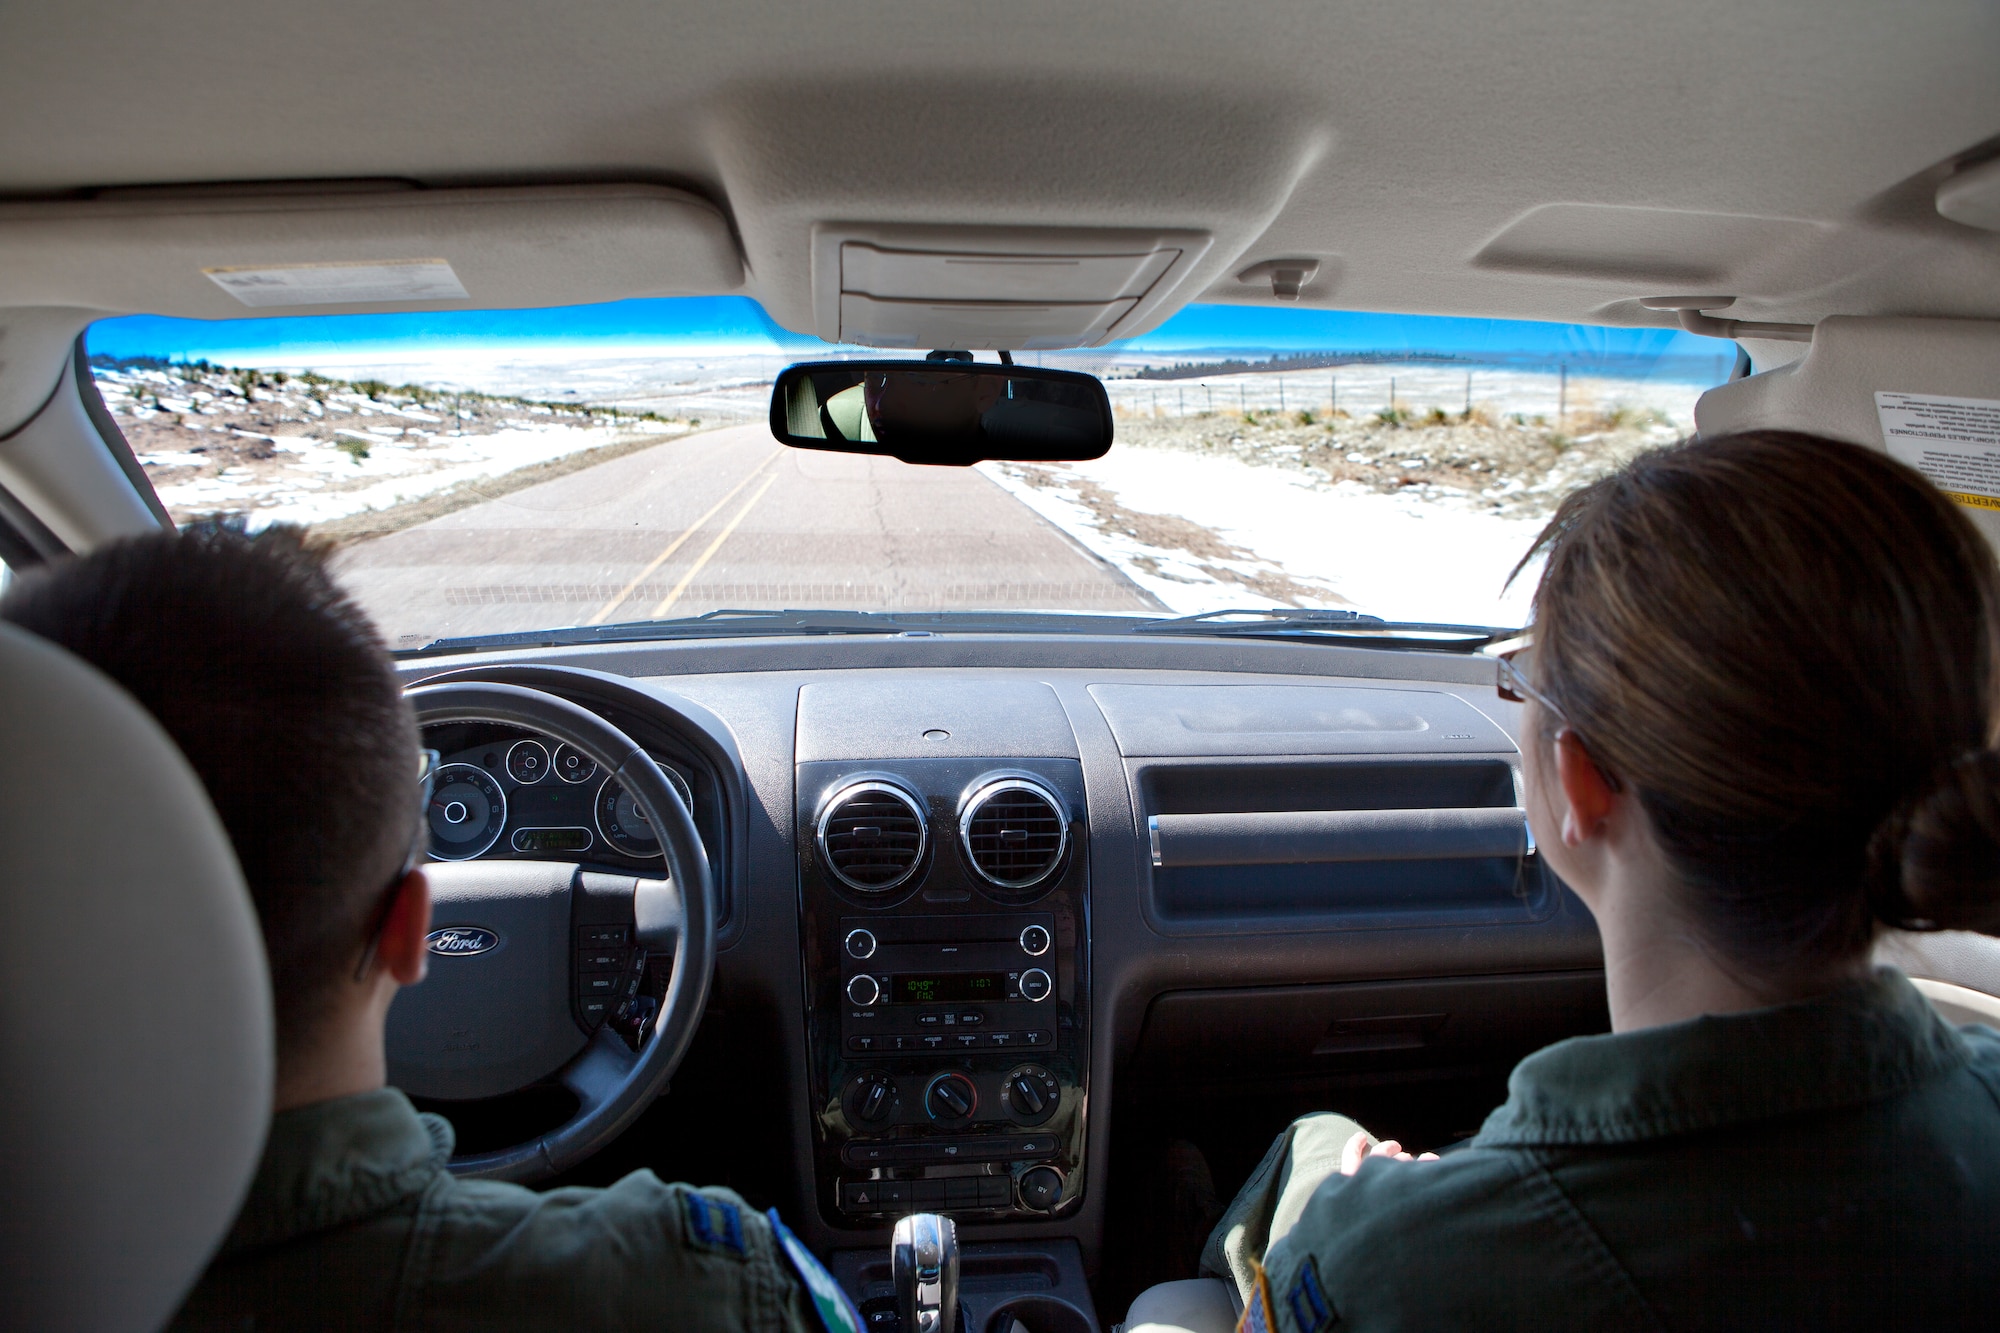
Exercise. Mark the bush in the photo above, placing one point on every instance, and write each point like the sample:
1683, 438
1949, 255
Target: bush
353, 448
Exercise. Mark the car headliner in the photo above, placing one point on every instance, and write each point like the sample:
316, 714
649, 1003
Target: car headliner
1543, 161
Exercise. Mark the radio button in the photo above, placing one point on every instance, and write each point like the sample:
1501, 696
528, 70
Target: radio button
863, 990
1035, 1038
860, 944
861, 1043
933, 1041
999, 1039
1035, 940
1036, 985
971, 1020
968, 1039
930, 1020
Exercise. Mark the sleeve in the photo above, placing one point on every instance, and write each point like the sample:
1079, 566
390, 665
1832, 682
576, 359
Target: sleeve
641, 1254
1482, 1239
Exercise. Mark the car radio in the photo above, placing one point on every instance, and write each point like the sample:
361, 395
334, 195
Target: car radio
943, 906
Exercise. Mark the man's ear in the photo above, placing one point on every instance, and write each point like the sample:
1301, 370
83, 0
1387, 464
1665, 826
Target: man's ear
1589, 796
404, 953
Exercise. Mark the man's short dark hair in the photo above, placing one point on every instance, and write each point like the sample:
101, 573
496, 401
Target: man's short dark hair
278, 690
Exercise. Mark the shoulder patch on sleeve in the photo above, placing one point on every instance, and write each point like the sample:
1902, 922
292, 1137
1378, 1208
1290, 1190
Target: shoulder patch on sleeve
1256, 1316
836, 1312
1311, 1311
715, 1225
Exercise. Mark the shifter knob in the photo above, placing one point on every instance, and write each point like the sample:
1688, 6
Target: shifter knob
924, 1258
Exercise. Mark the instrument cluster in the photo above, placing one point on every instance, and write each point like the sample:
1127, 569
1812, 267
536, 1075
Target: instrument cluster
507, 792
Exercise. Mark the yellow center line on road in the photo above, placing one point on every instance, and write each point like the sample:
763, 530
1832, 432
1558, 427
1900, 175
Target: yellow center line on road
605, 611
713, 547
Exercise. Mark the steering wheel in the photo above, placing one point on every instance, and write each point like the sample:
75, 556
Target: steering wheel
495, 1014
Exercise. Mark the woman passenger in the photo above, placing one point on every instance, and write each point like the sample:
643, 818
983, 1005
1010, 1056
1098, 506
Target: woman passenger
1758, 728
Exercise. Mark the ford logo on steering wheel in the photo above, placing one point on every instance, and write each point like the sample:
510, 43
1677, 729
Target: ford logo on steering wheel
456, 941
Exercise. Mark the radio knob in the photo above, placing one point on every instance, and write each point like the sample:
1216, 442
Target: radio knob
1035, 985
860, 944
951, 1097
863, 990
1035, 941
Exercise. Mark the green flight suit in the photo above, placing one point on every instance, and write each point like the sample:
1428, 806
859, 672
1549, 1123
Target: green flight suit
354, 1223
1830, 1164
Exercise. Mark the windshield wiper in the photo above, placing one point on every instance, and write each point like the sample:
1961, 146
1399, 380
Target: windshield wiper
1328, 625
728, 624
1280, 622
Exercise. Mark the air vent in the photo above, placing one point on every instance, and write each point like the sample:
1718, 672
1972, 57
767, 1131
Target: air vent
872, 836
1014, 832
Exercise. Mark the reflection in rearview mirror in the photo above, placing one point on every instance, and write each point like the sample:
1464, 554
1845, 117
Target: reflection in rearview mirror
952, 413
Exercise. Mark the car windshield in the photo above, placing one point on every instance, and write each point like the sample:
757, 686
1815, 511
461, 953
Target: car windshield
602, 468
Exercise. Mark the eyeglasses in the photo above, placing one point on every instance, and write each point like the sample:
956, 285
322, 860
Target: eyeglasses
378, 919
1511, 682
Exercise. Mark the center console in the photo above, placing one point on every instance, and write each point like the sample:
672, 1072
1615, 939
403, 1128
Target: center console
944, 906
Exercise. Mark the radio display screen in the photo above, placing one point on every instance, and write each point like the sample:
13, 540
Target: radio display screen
947, 987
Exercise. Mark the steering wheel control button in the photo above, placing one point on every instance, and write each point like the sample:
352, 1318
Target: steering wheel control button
861, 944
466, 812
594, 1010
1036, 985
1041, 1189
589, 935
527, 762
601, 959
1035, 941
1030, 1094
951, 1097
599, 983
573, 765
863, 991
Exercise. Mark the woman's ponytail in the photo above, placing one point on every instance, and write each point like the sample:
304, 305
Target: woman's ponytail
1934, 863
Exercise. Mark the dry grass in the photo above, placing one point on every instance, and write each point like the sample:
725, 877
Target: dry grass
1508, 465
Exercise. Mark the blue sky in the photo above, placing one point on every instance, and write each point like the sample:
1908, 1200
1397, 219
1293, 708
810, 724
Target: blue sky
736, 323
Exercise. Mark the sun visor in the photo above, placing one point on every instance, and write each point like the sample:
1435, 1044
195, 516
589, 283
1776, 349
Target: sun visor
1022, 289
208, 255
1926, 391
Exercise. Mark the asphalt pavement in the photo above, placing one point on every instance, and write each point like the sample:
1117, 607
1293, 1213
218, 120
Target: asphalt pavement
727, 519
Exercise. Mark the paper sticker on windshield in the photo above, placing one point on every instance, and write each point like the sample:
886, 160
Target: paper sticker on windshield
1953, 441
836, 1312
360, 283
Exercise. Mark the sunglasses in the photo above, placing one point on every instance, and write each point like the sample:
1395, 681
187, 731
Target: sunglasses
378, 919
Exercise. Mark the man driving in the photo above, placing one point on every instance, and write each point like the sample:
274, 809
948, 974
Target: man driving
280, 693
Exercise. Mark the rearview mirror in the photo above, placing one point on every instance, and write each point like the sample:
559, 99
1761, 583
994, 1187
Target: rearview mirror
950, 413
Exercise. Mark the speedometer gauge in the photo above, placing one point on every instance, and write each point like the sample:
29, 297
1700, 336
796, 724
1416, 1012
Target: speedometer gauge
466, 813
624, 825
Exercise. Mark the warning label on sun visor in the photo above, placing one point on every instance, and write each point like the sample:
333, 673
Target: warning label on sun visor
1953, 441
364, 282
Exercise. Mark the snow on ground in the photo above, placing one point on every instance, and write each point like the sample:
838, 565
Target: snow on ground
1295, 540
314, 482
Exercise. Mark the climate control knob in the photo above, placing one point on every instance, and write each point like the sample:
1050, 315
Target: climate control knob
1035, 984
863, 990
860, 944
1030, 1094
871, 1098
951, 1097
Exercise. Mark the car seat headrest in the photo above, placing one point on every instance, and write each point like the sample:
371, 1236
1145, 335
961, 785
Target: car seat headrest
135, 1007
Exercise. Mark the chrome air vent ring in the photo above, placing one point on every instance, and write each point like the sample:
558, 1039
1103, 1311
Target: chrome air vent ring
1013, 831
872, 836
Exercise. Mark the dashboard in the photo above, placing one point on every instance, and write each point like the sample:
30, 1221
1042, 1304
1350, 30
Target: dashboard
987, 897
507, 792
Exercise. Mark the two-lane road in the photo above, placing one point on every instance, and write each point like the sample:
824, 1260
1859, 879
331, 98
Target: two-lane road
728, 518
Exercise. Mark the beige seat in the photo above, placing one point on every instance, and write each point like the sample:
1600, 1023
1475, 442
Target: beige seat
135, 1011
1198, 1305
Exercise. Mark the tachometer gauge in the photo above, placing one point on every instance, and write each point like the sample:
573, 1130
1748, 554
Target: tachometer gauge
573, 765
467, 812
624, 824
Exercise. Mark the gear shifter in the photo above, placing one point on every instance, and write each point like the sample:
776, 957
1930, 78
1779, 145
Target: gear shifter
924, 1258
